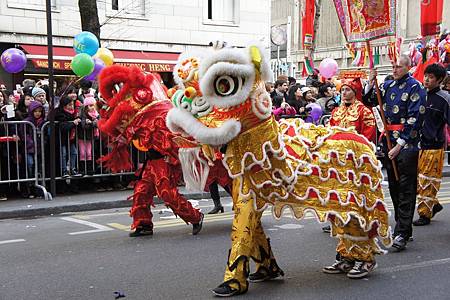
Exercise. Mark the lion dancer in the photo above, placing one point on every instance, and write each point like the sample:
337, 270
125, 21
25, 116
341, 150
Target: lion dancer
432, 140
135, 113
289, 164
356, 262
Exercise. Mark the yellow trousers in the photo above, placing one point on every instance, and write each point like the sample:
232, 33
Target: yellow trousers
431, 163
248, 241
354, 243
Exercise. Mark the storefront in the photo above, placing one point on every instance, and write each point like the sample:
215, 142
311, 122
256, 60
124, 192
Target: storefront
37, 66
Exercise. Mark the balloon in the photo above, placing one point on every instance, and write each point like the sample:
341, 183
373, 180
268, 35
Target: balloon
328, 67
82, 64
98, 66
85, 42
105, 55
315, 112
13, 60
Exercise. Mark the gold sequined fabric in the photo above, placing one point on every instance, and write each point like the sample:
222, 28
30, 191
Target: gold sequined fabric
431, 163
329, 171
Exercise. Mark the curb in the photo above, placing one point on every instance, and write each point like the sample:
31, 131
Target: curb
59, 209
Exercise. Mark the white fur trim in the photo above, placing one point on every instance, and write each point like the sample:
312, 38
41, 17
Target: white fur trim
195, 168
178, 120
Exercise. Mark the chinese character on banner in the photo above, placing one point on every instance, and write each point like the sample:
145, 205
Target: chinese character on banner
366, 20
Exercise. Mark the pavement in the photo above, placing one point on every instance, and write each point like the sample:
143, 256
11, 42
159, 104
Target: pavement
23, 208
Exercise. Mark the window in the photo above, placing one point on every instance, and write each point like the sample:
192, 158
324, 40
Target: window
30, 4
221, 12
128, 7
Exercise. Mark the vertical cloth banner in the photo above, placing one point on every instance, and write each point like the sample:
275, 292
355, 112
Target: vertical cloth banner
431, 16
308, 11
366, 20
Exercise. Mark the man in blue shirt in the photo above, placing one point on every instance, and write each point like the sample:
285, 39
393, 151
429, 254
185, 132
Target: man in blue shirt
432, 142
403, 105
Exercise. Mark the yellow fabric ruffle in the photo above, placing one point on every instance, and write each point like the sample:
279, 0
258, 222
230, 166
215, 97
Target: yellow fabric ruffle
299, 166
431, 163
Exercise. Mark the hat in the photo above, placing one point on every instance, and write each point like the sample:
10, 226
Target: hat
89, 100
64, 101
356, 85
33, 106
304, 90
36, 91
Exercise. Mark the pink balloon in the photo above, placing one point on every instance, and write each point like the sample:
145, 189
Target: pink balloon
328, 67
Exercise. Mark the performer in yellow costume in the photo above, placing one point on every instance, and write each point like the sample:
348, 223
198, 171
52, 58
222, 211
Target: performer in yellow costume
331, 172
432, 140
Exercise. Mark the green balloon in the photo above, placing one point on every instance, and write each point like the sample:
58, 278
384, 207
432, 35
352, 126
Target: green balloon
82, 64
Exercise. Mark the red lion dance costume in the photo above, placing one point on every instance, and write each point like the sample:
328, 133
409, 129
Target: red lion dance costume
136, 114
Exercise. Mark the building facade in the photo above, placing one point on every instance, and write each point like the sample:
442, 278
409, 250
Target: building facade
330, 41
149, 33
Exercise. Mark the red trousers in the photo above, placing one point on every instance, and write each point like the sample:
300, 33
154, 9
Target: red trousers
160, 178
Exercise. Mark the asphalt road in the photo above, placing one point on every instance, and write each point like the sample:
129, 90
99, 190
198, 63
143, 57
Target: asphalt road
90, 256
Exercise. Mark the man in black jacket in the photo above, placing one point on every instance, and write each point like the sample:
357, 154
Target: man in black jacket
432, 142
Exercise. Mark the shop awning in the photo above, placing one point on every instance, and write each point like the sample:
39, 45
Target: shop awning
146, 60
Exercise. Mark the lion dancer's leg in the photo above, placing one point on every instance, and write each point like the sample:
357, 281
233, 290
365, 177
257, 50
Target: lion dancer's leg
431, 163
356, 249
248, 240
144, 190
166, 188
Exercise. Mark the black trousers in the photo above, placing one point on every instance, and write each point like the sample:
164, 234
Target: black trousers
403, 192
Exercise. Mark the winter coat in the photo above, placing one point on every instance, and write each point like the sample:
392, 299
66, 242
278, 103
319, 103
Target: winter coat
26, 131
87, 131
65, 126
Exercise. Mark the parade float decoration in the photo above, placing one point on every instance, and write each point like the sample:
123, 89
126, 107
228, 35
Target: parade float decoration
329, 171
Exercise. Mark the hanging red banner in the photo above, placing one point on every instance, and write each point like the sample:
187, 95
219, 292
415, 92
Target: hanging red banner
366, 20
431, 16
308, 13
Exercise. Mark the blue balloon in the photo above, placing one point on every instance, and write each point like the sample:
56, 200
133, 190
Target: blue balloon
85, 42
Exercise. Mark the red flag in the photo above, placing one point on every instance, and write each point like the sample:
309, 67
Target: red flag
431, 16
308, 12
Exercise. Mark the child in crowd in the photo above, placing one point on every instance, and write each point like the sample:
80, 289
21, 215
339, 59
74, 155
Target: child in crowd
41, 96
68, 121
36, 117
87, 133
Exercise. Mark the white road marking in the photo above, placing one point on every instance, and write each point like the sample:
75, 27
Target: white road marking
99, 227
289, 226
418, 265
12, 241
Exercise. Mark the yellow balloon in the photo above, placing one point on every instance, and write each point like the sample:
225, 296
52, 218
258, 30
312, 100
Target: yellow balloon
106, 55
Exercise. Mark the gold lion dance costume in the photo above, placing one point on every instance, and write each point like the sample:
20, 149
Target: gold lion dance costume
134, 113
328, 171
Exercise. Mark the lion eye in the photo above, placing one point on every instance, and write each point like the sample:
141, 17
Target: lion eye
227, 85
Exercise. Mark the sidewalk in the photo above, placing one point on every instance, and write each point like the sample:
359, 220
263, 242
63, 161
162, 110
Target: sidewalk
22, 208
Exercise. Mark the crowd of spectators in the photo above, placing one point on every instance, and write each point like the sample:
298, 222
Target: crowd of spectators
78, 140
292, 99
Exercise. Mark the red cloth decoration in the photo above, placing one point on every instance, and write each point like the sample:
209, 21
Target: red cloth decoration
431, 16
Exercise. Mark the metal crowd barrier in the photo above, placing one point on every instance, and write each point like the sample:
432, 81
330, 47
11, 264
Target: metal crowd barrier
17, 160
92, 169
